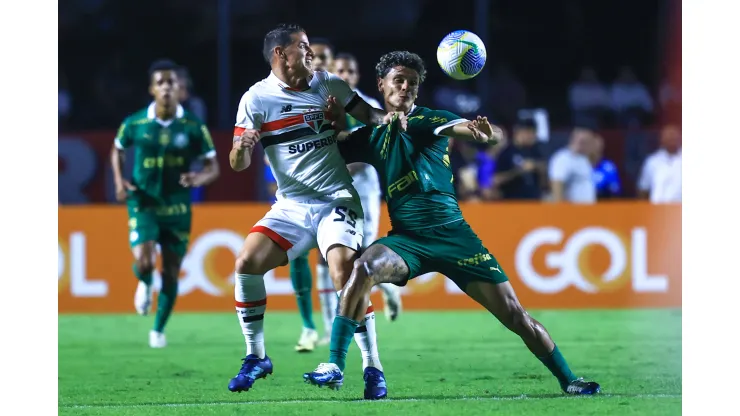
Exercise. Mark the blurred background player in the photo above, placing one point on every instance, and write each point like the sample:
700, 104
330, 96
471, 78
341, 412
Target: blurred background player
365, 180
166, 139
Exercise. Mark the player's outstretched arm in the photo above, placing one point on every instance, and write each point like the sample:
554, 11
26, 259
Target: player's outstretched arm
240, 156
478, 130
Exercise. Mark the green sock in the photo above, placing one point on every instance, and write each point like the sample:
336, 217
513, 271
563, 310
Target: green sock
342, 332
300, 276
145, 277
555, 362
165, 303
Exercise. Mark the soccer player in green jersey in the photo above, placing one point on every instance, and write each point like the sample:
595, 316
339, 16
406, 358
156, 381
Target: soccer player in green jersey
165, 140
429, 233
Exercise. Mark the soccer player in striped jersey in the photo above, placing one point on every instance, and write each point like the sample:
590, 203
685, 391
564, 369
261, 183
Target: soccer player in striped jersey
316, 202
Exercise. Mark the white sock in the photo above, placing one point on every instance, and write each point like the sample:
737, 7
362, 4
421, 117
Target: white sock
367, 340
389, 289
327, 296
251, 302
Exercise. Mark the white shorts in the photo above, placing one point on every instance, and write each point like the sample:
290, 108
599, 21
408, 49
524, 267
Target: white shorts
299, 226
371, 206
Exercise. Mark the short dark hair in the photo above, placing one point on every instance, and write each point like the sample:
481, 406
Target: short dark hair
400, 58
322, 41
279, 36
526, 123
162, 65
346, 56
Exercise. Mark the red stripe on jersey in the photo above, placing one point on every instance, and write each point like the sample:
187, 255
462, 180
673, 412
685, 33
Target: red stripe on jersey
238, 131
277, 238
282, 123
254, 304
370, 309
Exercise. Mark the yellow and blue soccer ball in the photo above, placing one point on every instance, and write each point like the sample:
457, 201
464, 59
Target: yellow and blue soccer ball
461, 54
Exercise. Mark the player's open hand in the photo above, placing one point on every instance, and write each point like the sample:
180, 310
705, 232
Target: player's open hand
483, 131
403, 120
247, 140
122, 190
190, 180
337, 113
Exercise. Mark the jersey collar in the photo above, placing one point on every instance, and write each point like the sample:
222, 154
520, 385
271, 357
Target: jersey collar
273, 79
151, 115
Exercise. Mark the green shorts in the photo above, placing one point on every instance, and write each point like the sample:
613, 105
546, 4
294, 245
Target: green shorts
452, 249
169, 226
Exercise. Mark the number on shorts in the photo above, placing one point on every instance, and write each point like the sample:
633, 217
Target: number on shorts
343, 212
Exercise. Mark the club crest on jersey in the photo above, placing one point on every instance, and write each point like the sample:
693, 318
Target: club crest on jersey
181, 140
314, 119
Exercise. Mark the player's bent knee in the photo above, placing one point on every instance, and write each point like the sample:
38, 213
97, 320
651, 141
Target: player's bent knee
144, 265
246, 263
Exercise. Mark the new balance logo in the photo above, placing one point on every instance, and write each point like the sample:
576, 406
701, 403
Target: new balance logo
286, 108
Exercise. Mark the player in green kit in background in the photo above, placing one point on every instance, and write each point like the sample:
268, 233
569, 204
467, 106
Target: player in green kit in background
429, 233
165, 140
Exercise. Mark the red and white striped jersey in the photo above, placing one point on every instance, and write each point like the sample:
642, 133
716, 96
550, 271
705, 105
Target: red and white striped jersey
296, 133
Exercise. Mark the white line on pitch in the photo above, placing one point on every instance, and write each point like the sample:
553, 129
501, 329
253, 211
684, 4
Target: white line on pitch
320, 401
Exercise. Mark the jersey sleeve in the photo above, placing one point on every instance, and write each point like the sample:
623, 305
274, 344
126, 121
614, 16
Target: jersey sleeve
124, 138
250, 114
558, 168
340, 89
205, 149
356, 147
438, 120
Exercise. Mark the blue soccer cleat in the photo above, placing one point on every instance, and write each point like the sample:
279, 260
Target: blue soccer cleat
253, 368
582, 387
326, 374
375, 386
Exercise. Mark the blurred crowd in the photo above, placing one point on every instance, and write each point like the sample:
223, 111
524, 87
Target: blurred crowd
523, 168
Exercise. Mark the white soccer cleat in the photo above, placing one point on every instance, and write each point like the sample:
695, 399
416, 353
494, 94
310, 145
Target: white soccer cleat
325, 340
392, 301
307, 341
143, 298
157, 339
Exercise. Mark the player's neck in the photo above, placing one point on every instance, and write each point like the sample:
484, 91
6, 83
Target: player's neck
293, 79
165, 113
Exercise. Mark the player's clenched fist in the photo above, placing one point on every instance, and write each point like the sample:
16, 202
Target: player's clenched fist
397, 116
247, 140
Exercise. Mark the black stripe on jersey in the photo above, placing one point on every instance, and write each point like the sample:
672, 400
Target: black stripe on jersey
291, 135
353, 102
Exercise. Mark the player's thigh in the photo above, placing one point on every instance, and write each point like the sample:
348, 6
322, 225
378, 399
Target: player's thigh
281, 235
339, 236
143, 233
384, 265
371, 207
174, 238
404, 256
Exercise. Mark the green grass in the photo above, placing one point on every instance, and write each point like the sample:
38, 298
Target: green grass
436, 363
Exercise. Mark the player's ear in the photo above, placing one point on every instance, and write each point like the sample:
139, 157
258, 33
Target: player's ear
279, 52
380, 84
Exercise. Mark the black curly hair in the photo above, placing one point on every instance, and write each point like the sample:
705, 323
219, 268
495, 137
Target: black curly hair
400, 58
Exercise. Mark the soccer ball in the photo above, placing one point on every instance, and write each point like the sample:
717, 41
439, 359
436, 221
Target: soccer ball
461, 54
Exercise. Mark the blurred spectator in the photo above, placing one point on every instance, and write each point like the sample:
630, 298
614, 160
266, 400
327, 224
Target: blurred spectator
115, 95
188, 99
465, 169
520, 167
507, 96
486, 161
65, 101
571, 174
589, 99
631, 100
606, 175
669, 98
660, 180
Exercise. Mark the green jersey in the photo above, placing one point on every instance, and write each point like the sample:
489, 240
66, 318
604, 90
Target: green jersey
163, 150
413, 166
